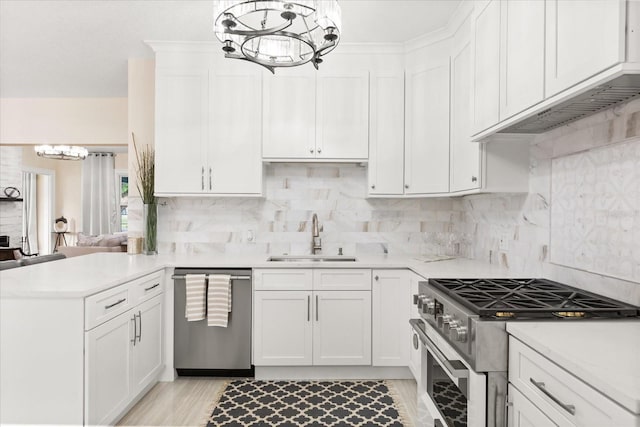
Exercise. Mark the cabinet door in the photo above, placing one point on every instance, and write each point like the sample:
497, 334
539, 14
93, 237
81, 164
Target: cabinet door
523, 413
465, 155
386, 134
391, 312
486, 65
181, 130
342, 328
282, 328
147, 351
234, 157
583, 37
427, 129
289, 109
521, 56
342, 117
108, 369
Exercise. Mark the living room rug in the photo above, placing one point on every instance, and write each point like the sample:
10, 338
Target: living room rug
256, 403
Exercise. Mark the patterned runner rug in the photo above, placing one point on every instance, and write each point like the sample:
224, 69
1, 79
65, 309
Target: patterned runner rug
254, 403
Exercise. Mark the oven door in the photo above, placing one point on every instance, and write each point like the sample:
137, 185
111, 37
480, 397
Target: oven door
450, 394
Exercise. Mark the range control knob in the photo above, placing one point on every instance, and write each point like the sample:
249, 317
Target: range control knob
423, 300
450, 325
415, 299
443, 319
429, 307
459, 333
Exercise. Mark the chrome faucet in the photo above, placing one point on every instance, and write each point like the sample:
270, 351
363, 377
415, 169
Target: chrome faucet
316, 242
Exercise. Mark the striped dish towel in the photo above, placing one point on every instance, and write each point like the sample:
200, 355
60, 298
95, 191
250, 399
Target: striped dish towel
196, 290
218, 300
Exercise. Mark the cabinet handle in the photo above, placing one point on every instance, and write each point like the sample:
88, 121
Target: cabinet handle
151, 287
317, 308
135, 330
308, 308
107, 307
203, 178
474, 179
139, 336
210, 180
373, 187
540, 386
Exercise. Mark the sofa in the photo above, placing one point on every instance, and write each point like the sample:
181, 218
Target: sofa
86, 244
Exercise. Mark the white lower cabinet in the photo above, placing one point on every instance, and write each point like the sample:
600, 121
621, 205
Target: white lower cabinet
123, 355
297, 323
342, 328
282, 328
391, 312
522, 413
108, 369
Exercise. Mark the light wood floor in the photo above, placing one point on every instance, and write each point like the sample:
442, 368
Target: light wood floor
187, 402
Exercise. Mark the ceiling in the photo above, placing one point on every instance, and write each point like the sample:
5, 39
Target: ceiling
79, 48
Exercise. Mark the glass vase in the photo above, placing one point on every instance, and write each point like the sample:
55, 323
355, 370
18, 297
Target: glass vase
150, 230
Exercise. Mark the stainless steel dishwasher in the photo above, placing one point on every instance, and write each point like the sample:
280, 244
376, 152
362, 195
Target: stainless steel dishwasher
201, 350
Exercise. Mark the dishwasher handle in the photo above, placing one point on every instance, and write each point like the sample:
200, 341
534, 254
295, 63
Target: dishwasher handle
182, 276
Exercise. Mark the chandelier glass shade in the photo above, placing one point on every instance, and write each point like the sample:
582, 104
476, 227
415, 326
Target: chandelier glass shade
277, 33
61, 152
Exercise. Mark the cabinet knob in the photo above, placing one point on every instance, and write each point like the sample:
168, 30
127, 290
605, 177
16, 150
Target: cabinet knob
311, 150
319, 150
377, 278
406, 186
373, 187
474, 179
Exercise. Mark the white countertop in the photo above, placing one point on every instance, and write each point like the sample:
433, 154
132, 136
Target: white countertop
86, 275
604, 354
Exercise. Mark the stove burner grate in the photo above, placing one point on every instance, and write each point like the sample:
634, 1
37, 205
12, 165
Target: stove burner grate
516, 298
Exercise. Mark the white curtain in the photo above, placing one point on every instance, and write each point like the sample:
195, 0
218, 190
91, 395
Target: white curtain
99, 213
29, 213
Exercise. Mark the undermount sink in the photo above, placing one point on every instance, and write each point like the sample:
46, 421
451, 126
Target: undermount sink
311, 258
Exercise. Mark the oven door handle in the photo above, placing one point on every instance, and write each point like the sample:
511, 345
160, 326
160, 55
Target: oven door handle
456, 368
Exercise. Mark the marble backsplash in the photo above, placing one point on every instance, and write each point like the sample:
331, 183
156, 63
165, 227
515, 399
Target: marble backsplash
281, 221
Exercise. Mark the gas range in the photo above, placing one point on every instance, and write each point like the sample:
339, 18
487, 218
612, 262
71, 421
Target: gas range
471, 314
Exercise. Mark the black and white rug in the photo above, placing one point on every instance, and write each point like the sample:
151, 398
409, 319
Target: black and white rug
255, 403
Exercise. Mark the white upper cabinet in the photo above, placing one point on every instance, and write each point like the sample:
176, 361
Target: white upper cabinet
427, 128
464, 155
208, 125
486, 65
181, 130
321, 115
386, 130
289, 111
234, 155
521, 56
342, 117
583, 37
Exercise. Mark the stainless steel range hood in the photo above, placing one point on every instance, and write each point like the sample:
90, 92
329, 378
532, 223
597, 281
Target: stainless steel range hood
620, 89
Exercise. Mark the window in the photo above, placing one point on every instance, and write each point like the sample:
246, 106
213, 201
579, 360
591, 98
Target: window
123, 200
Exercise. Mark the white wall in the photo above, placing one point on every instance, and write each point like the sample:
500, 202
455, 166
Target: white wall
70, 121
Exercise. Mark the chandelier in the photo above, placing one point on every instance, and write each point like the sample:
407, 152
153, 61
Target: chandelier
277, 33
61, 152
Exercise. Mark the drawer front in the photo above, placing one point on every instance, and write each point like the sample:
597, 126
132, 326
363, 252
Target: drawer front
342, 279
107, 305
283, 279
147, 287
565, 399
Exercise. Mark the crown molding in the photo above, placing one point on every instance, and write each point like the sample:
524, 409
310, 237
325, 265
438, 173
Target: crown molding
458, 17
